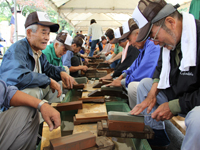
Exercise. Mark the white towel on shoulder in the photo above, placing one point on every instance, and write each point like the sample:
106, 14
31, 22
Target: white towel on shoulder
188, 48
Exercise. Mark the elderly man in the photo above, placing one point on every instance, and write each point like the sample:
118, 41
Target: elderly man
20, 124
26, 67
142, 67
175, 88
56, 50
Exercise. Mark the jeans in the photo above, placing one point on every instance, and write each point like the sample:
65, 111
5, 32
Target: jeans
93, 46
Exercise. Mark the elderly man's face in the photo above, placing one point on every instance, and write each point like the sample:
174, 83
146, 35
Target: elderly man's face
38, 40
163, 37
60, 50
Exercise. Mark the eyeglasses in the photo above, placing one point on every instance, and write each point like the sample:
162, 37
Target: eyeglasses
154, 39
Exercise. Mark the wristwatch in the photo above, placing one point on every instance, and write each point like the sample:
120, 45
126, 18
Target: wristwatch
41, 103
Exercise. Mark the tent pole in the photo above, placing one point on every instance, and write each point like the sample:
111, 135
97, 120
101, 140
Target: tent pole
15, 11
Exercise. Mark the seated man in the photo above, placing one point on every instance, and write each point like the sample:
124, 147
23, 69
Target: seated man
142, 67
20, 124
107, 48
25, 66
72, 61
56, 50
132, 54
116, 56
175, 88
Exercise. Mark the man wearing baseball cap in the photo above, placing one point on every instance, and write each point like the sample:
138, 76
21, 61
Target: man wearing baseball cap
143, 66
72, 60
175, 88
58, 48
32, 75
25, 66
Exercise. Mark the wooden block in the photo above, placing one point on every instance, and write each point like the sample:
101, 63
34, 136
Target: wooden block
103, 65
93, 108
146, 134
108, 93
94, 120
47, 135
69, 106
92, 127
78, 86
92, 65
101, 115
104, 124
74, 142
125, 126
179, 122
93, 99
123, 116
94, 73
108, 70
98, 85
103, 143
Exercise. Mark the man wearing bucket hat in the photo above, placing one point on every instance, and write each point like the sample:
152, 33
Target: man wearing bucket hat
142, 67
25, 66
175, 88
58, 48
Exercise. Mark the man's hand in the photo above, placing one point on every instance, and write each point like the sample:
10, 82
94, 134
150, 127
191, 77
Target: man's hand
162, 112
55, 86
116, 83
110, 61
68, 80
84, 68
149, 102
86, 60
107, 77
51, 116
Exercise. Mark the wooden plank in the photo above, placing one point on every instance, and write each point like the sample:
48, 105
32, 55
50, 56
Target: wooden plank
74, 142
179, 122
146, 134
104, 124
92, 127
92, 108
85, 116
108, 93
93, 99
103, 65
84, 121
68, 106
103, 143
114, 125
47, 135
78, 86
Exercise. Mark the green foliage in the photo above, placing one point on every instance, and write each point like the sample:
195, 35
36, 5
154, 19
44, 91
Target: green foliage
5, 13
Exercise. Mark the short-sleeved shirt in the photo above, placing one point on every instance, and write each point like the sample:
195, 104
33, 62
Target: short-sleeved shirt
118, 48
66, 59
96, 31
12, 20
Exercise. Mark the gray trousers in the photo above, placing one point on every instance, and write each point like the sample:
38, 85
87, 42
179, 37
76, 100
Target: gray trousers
46, 93
192, 121
19, 128
132, 94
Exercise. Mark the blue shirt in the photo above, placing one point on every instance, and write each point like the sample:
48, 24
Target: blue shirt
66, 59
6, 93
145, 64
12, 20
17, 67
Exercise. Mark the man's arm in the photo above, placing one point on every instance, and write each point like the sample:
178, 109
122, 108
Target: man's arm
50, 115
12, 30
77, 68
118, 56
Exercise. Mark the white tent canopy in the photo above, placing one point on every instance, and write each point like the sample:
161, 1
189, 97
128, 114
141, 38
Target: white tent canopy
107, 13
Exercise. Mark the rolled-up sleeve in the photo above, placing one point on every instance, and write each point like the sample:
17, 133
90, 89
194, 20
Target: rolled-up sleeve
6, 93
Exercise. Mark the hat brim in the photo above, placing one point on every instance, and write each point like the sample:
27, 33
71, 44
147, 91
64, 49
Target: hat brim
53, 26
115, 40
68, 47
125, 35
144, 32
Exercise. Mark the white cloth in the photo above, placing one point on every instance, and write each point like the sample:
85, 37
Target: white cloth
188, 48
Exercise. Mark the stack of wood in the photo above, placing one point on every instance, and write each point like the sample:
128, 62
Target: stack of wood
120, 124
